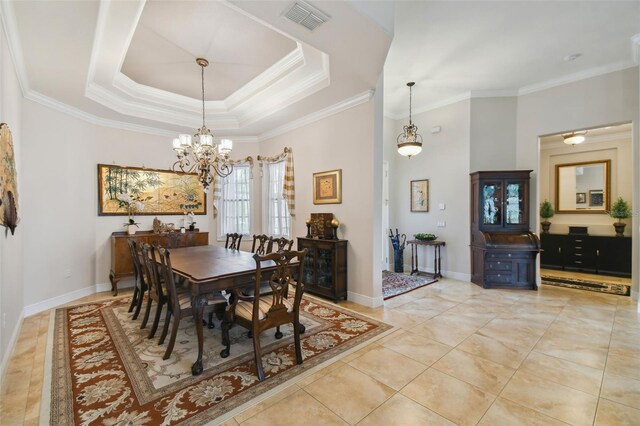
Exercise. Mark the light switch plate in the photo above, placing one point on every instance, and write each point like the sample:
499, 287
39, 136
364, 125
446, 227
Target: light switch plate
442, 206
442, 224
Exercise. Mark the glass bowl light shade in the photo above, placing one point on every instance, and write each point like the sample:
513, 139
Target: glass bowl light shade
574, 138
410, 149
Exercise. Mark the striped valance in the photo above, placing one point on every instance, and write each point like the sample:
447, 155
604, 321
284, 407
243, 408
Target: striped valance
289, 189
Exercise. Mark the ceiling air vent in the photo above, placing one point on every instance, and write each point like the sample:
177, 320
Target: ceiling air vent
306, 15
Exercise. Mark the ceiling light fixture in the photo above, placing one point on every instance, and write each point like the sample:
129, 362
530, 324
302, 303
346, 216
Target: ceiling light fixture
574, 138
207, 157
409, 141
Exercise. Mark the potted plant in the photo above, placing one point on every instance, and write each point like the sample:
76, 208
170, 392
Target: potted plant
133, 204
620, 210
546, 211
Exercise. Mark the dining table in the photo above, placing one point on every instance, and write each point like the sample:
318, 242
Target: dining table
208, 269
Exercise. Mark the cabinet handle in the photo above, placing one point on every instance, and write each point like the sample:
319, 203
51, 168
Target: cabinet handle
498, 263
578, 261
559, 249
597, 252
509, 255
578, 254
578, 247
578, 241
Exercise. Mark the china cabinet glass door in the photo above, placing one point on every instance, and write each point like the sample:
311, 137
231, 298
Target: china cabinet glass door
514, 203
491, 203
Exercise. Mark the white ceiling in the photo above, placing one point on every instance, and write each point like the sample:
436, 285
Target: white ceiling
162, 51
131, 63
452, 48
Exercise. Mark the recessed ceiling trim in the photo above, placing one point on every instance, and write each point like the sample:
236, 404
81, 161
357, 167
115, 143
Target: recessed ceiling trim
300, 73
150, 111
8, 18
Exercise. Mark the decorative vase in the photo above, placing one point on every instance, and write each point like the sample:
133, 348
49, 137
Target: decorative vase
545, 226
619, 228
131, 229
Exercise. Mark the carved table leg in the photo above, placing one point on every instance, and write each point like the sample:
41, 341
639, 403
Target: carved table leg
114, 284
197, 305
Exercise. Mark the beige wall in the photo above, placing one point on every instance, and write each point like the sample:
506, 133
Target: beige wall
594, 102
342, 141
493, 133
11, 258
618, 152
445, 161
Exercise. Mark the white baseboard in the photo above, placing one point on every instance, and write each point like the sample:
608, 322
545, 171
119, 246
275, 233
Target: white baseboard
101, 287
634, 296
460, 276
11, 346
45, 305
361, 299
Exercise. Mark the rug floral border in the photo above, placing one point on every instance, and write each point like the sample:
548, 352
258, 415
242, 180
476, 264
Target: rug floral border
67, 408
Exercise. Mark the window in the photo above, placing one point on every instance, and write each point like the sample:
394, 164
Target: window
275, 211
235, 202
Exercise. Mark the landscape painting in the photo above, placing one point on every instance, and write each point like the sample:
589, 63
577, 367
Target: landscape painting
161, 192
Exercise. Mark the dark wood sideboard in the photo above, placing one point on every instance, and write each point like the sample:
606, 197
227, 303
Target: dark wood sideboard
587, 253
325, 267
121, 263
503, 251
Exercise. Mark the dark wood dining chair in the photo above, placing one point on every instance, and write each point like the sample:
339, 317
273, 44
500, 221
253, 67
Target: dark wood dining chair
233, 241
140, 282
279, 244
261, 244
263, 312
156, 293
179, 303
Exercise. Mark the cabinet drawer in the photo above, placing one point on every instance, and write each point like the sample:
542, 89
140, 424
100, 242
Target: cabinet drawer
498, 265
502, 277
508, 256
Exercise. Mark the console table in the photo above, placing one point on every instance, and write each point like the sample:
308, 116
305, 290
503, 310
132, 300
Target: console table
121, 263
437, 267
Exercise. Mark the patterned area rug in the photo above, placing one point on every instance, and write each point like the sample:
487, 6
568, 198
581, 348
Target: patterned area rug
395, 284
619, 289
105, 371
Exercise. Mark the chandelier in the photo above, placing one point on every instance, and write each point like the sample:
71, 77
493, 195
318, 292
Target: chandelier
200, 153
409, 141
574, 138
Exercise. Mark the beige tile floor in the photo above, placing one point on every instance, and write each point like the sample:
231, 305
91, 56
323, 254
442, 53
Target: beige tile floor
460, 355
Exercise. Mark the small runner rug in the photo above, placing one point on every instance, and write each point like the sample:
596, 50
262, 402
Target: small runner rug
395, 284
619, 289
104, 370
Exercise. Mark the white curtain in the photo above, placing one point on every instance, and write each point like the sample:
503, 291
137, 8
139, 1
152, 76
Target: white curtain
235, 204
275, 212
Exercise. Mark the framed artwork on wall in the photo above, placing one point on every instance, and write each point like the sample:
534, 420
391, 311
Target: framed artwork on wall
420, 195
327, 187
8, 181
596, 197
581, 197
161, 192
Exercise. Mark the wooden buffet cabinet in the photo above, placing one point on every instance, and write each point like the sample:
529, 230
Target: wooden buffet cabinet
503, 251
325, 267
121, 263
606, 255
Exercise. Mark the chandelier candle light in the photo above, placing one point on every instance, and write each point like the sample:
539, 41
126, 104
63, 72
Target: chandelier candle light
200, 153
409, 141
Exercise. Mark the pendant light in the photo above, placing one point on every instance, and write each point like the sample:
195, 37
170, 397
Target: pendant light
409, 141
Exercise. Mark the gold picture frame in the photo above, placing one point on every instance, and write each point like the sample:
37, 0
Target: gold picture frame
327, 187
162, 192
420, 195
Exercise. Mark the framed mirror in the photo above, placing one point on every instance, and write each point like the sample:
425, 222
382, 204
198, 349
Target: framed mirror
583, 187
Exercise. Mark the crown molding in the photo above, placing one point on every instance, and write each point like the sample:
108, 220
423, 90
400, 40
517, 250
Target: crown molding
590, 140
572, 78
319, 115
526, 90
37, 97
7, 16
